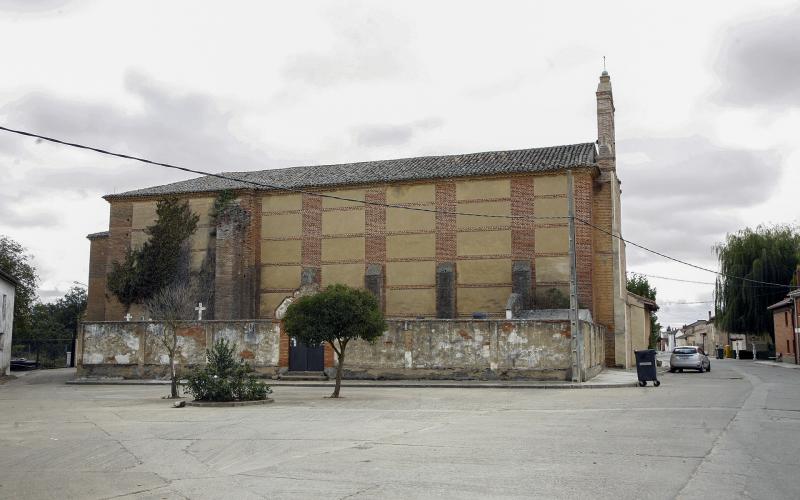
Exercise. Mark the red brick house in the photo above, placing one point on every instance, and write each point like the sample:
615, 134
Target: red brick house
787, 325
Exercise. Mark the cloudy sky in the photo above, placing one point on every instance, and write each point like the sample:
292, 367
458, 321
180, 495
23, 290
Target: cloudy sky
708, 105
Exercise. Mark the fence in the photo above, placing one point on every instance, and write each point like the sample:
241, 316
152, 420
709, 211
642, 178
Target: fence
48, 353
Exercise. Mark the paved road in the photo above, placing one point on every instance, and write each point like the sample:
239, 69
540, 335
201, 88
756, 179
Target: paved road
730, 433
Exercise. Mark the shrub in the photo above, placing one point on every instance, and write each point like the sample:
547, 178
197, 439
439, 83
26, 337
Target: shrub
225, 379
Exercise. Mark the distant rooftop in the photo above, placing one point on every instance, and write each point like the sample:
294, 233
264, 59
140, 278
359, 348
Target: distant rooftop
786, 302
425, 167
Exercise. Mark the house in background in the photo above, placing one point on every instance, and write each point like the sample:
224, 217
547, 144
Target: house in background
8, 286
705, 333
785, 323
667, 340
639, 309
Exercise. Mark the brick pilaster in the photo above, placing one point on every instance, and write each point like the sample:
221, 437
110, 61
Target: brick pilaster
603, 266
312, 231
236, 271
523, 237
584, 243
251, 256
375, 220
119, 242
445, 222
98, 257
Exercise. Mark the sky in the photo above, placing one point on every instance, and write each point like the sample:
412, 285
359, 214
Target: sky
707, 106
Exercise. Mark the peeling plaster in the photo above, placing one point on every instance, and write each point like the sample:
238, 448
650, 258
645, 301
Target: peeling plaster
408, 348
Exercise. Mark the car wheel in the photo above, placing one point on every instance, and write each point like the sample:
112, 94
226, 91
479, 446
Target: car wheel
672, 370
680, 370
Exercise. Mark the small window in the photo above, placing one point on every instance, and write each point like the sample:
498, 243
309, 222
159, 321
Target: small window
3, 316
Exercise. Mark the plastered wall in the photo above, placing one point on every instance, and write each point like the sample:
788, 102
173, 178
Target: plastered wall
480, 349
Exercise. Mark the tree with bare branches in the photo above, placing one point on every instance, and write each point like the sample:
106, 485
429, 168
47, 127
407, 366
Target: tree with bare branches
171, 306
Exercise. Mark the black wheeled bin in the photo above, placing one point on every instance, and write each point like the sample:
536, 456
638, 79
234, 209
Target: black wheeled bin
646, 367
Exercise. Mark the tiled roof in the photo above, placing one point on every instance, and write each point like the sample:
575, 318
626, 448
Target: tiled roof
783, 303
381, 171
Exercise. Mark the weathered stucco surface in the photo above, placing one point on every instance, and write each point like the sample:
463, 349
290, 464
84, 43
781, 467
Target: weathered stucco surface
445, 349
484, 349
134, 349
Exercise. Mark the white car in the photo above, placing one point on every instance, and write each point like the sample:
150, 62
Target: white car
689, 357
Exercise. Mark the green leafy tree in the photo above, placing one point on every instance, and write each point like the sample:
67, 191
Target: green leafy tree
70, 308
161, 260
17, 263
335, 315
768, 254
639, 285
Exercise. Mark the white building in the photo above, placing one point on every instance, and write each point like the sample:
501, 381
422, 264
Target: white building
8, 286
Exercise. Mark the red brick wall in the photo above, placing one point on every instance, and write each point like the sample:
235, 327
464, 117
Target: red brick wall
312, 231
445, 222
251, 256
602, 265
98, 258
375, 220
119, 242
584, 242
522, 229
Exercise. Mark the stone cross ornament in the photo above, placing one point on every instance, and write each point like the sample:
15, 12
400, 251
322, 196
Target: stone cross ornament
200, 310
128, 317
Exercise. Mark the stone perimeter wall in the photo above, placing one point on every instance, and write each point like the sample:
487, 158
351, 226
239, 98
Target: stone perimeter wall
409, 349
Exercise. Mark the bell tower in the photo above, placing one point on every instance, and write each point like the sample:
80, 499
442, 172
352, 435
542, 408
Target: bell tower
610, 262
605, 123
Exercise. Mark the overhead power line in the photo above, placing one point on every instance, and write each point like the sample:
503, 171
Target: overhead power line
691, 281
365, 202
271, 186
684, 303
675, 259
672, 279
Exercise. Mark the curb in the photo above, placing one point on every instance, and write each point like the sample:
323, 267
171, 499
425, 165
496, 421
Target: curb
220, 404
111, 381
784, 364
387, 384
465, 386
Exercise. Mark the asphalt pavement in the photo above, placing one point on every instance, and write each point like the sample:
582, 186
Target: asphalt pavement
729, 433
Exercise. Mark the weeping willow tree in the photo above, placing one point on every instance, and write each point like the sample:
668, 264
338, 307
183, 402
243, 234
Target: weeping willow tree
767, 254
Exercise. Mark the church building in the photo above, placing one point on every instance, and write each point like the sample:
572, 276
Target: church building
441, 260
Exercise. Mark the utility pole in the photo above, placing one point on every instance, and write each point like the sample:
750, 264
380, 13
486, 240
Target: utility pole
574, 323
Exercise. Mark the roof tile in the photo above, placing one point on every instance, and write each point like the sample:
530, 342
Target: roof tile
426, 167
